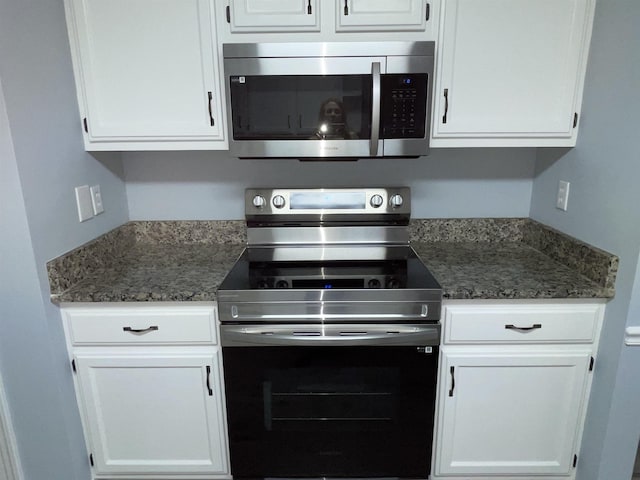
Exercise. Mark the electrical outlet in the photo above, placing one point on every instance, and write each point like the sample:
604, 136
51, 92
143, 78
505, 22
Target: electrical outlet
83, 201
563, 195
96, 200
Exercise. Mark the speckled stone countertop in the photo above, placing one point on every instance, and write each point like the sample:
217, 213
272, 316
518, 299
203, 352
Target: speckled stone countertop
471, 258
149, 261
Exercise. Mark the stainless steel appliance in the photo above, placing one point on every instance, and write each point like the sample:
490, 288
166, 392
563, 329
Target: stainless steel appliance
329, 100
330, 333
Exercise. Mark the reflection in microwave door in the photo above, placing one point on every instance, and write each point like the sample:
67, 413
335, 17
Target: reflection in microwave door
332, 122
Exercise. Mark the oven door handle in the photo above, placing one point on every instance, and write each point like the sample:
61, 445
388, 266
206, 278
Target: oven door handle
330, 335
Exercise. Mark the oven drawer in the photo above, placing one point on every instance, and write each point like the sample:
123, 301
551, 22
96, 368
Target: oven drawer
522, 323
145, 325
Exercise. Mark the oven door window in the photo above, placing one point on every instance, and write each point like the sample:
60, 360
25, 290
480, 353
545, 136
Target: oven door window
295, 107
330, 411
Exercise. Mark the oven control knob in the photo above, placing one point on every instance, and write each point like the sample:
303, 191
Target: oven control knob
278, 201
259, 201
396, 201
393, 283
376, 201
282, 284
262, 284
374, 283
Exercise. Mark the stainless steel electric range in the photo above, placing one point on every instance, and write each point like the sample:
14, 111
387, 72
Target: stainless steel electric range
330, 333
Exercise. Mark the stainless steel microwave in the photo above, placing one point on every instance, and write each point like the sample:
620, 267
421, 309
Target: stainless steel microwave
329, 100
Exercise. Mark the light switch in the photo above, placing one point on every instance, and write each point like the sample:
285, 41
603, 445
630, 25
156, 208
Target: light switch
83, 201
563, 195
96, 199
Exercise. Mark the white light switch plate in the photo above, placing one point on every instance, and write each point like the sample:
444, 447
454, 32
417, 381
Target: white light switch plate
563, 195
83, 201
96, 199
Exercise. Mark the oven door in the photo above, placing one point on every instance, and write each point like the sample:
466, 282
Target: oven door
304, 107
330, 401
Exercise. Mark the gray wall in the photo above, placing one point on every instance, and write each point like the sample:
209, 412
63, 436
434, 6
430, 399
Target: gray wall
42, 161
448, 183
604, 169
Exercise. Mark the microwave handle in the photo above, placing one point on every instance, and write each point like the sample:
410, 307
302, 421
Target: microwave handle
375, 110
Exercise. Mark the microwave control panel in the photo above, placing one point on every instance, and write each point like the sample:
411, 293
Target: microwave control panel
404, 104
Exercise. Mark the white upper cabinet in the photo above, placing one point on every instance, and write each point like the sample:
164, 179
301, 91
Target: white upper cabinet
327, 21
273, 16
399, 15
147, 74
510, 72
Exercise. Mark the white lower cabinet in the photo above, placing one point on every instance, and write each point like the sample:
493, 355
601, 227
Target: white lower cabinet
152, 403
513, 410
510, 413
154, 413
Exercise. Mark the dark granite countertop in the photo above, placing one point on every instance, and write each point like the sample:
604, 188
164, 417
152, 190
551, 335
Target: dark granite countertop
503, 271
471, 258
158, 273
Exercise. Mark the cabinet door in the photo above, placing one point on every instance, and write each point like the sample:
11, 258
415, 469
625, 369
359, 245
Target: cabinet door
511, 69
154, 414
509, 414
274, 16
382, 15
147, 70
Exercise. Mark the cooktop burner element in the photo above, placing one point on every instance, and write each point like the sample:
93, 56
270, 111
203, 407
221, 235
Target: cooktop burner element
329, 256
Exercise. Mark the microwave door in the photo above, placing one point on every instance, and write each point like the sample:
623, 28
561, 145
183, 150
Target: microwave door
305, 107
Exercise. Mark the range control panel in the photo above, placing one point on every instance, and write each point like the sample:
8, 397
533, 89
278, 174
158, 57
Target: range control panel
325, 202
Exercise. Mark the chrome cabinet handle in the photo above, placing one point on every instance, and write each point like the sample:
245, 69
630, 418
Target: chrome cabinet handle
210, 95
209, 381
375, 110
453, 381
446, 105
152, 328
535, 326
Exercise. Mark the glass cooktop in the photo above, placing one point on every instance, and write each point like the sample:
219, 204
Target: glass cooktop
329, 268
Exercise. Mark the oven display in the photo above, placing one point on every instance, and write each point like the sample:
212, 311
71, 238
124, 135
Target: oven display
328, 201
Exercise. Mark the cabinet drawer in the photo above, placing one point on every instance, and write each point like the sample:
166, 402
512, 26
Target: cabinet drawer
153, 325
521, 323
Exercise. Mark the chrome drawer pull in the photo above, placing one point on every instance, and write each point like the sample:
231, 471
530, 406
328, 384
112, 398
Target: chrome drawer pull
535, 326
140, 330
